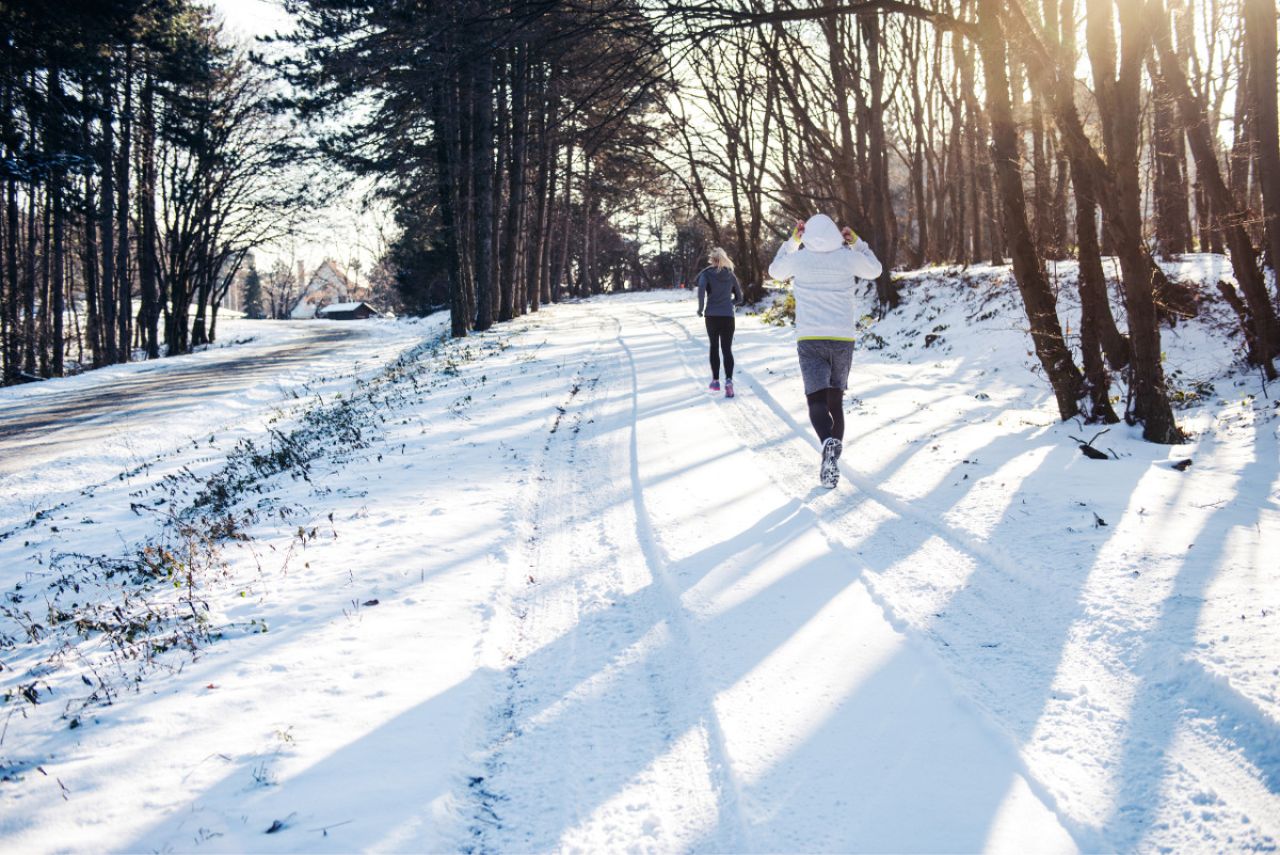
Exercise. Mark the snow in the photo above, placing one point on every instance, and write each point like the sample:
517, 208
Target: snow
537, 589
157, 404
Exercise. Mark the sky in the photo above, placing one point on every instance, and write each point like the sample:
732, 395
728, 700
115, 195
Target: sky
254, 17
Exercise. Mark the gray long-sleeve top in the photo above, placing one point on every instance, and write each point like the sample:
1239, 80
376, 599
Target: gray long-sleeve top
718, 289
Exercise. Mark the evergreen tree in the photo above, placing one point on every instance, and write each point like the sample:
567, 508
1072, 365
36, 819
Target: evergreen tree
253, 306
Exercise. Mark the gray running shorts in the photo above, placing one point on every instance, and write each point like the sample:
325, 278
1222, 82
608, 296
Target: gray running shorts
824, 363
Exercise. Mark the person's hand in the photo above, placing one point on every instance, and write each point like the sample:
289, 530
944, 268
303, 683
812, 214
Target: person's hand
798, 231
850, 236
699, 313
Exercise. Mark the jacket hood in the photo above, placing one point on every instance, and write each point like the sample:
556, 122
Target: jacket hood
821, 234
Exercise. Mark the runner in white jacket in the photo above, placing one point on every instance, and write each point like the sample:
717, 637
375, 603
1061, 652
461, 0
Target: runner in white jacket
824, 265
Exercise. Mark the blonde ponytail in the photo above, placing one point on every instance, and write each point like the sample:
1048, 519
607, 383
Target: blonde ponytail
720, 258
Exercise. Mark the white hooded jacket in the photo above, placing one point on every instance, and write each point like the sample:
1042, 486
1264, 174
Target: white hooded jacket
824, 272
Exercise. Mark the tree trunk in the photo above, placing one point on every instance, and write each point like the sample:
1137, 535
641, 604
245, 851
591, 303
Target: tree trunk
92, 288
958, 238
885, 237
11, 346
1244, 258
538, 231
460, 119
1240, 156
549, 229
483, 166
9, 307
107, 226
1037, 297
1117, 192
845, 167
1169, 186
56, 305
974, 216
566, 223
587, 279
512, 271
1096, 323
46, 272
124, 292
89, 254
1247, 327
446, 131
1142, 279
919, 198
1260, 38
1039, 181
58, 286
995, 228
150, 319
1113, 342
501, 145
29, 290
199, 326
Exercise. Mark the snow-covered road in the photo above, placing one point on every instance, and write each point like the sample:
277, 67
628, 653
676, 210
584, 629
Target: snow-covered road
566, 599
38, 429
63, 436
696, 664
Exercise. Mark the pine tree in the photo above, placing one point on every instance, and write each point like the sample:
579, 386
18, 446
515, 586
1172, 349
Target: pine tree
253, 306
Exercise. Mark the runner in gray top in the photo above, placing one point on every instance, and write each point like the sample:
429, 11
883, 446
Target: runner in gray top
718, 291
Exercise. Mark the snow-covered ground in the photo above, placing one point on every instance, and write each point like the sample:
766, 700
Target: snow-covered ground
538, 589
60, 437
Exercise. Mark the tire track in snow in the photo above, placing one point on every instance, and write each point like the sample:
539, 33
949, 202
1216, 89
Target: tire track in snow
728, 790
492, 795
500, 802
587, 745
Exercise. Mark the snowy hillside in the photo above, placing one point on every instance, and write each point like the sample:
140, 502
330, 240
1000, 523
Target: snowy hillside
538, 589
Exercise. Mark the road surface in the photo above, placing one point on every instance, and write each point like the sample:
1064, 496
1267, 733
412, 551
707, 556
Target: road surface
64, 435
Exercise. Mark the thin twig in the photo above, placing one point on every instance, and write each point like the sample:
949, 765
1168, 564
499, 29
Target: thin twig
326, 828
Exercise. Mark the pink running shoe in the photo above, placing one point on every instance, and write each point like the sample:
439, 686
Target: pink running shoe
728, 388
715, 386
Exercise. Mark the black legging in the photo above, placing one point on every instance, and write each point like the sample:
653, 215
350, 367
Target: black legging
826, 412
720, 331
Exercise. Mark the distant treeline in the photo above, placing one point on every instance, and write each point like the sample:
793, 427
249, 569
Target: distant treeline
142, 160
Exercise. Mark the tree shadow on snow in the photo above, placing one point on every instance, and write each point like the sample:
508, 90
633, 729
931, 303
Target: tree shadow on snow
1175, 690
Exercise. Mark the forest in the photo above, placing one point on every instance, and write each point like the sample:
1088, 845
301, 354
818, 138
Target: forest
539, 150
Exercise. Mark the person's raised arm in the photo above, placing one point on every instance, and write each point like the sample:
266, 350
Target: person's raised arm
782, 267
862, 262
